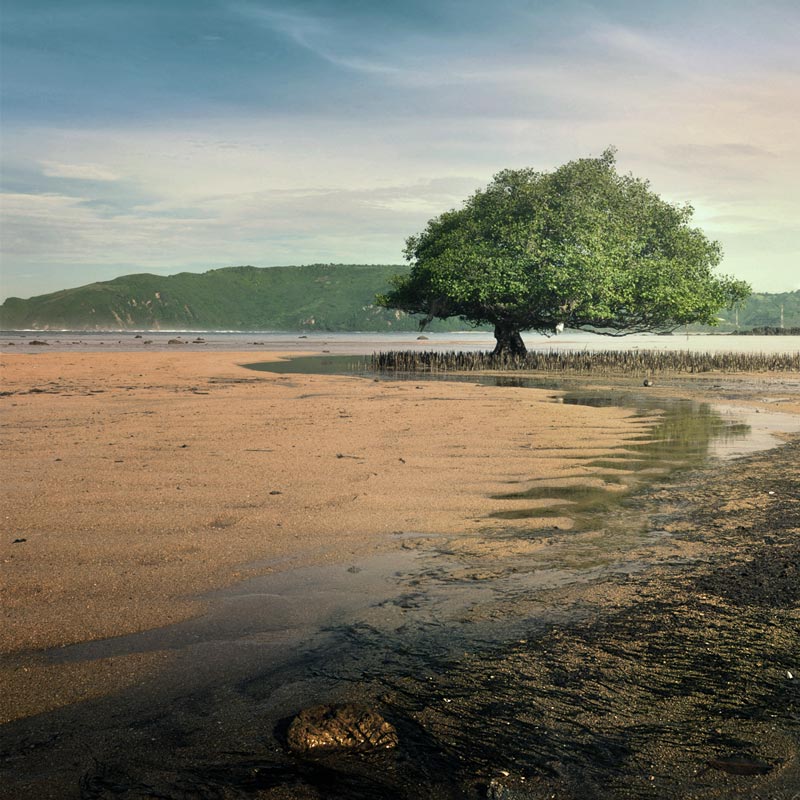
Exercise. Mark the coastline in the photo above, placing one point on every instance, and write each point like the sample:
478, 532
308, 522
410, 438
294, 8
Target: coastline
141, 481
108, 415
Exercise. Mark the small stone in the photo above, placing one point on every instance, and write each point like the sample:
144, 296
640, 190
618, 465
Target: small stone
345, 727
740, 765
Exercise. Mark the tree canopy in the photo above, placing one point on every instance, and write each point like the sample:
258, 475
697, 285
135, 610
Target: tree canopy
581, 247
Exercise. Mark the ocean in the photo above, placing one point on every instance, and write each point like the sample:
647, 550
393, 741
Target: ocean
367, 343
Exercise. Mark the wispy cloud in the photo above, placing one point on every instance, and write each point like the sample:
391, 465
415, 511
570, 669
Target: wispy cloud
640, 47
81, 172
325, 37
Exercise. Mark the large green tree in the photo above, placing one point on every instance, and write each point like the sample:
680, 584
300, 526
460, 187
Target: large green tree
581, 247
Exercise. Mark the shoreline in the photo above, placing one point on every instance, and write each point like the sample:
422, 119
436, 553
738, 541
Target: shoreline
141, 481
455, 506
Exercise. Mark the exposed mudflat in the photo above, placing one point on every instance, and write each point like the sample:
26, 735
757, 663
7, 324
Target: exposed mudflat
676, 681
607, 633
679, 681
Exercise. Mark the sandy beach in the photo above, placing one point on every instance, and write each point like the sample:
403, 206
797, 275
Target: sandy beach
139, 481
135, 484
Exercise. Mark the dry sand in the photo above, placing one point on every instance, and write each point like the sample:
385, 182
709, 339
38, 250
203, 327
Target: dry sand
135, 482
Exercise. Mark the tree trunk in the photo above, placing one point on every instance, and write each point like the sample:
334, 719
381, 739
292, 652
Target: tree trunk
509, 341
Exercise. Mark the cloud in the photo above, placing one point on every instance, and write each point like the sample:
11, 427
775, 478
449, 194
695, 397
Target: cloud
81, 172
724, 151
266, 227
321, 36
627, 43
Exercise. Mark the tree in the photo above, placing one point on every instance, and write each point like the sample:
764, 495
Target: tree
580, 246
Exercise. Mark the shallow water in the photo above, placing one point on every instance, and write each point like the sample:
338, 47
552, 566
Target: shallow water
366, 343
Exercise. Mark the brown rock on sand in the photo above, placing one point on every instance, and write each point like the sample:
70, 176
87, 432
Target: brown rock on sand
330, 728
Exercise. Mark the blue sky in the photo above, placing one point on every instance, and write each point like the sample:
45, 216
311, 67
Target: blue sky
161, 136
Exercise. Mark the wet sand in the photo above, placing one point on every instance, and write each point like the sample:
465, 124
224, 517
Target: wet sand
135, 482
680, 682
675, 677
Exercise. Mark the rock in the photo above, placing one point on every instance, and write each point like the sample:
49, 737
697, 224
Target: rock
138, 336
176, 341
740, 764
422, 338
331, 728
37, 341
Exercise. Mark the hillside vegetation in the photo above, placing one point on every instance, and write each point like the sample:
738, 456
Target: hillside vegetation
328, 297
764, 311
331, 297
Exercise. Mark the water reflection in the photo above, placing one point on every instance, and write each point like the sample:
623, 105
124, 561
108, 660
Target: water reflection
592, 522
686, 435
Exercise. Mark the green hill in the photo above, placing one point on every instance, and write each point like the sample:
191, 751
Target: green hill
331, 297
328, 297
768, 310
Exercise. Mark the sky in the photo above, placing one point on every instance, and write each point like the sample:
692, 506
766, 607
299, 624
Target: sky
184, 135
